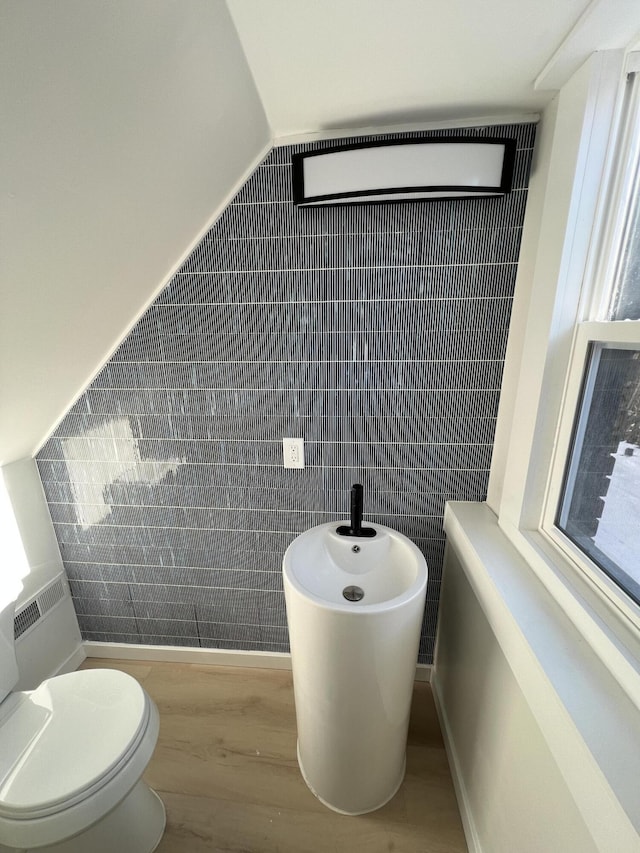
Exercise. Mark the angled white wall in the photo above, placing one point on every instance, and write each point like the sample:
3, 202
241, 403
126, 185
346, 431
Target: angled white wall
541, 724
511, 792
32, 561
126, 127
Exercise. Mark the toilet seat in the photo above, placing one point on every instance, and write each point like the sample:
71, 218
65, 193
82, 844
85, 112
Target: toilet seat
87, 723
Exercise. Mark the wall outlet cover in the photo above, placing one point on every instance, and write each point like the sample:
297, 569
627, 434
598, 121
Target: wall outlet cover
293, 450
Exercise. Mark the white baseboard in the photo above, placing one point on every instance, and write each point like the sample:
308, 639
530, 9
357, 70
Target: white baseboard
466, 815
211, 657
182, 654
423, 672
72, 662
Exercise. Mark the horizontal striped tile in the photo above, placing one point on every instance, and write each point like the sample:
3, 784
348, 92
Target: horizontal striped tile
377, 333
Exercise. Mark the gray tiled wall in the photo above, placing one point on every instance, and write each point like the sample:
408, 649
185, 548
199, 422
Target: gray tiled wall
375, 332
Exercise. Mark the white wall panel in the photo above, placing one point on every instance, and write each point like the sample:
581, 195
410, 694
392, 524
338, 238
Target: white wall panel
126, 127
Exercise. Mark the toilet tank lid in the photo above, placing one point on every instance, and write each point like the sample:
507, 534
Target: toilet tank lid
66, 736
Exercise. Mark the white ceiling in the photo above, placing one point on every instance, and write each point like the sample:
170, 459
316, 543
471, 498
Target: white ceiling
325, 64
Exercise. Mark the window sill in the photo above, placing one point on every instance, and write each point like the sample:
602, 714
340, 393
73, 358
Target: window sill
592, 724
606, 629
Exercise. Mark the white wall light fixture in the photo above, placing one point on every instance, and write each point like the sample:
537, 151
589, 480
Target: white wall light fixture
440, 168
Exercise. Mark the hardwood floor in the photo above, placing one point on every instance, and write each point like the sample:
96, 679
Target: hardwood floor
225, 766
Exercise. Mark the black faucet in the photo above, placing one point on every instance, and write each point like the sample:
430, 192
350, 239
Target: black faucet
356, 528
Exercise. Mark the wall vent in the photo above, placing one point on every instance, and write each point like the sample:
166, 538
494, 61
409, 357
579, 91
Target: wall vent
30, 614
26, 618
51, 596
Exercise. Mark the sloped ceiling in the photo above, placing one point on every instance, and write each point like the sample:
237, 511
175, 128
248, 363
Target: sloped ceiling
127, 125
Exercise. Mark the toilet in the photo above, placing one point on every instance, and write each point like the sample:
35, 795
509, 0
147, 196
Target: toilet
72, 755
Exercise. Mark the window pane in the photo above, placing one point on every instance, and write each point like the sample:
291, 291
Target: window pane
600, 506
625, 304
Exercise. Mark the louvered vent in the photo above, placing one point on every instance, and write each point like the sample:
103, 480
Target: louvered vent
50, 596
26, 618
33, 612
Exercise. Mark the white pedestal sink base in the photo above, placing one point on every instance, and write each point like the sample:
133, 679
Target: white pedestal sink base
341, 811
353, 661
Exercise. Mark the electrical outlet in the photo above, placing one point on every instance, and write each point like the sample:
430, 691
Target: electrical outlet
293, 449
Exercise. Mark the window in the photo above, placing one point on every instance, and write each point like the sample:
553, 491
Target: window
564, 606
594, 495
600, 502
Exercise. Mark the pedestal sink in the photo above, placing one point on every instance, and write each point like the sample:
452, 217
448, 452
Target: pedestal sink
354, 609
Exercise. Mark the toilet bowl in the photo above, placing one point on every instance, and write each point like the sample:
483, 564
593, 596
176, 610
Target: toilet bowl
72, 754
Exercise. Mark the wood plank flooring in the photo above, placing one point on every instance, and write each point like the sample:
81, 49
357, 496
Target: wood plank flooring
225, 766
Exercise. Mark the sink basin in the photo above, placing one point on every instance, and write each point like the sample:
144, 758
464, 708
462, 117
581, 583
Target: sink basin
354, 610
388, 568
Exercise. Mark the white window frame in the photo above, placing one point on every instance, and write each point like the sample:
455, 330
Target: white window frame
555, 328
620, 183
624, 335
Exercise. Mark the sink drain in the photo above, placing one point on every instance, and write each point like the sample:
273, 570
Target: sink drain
353, 593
